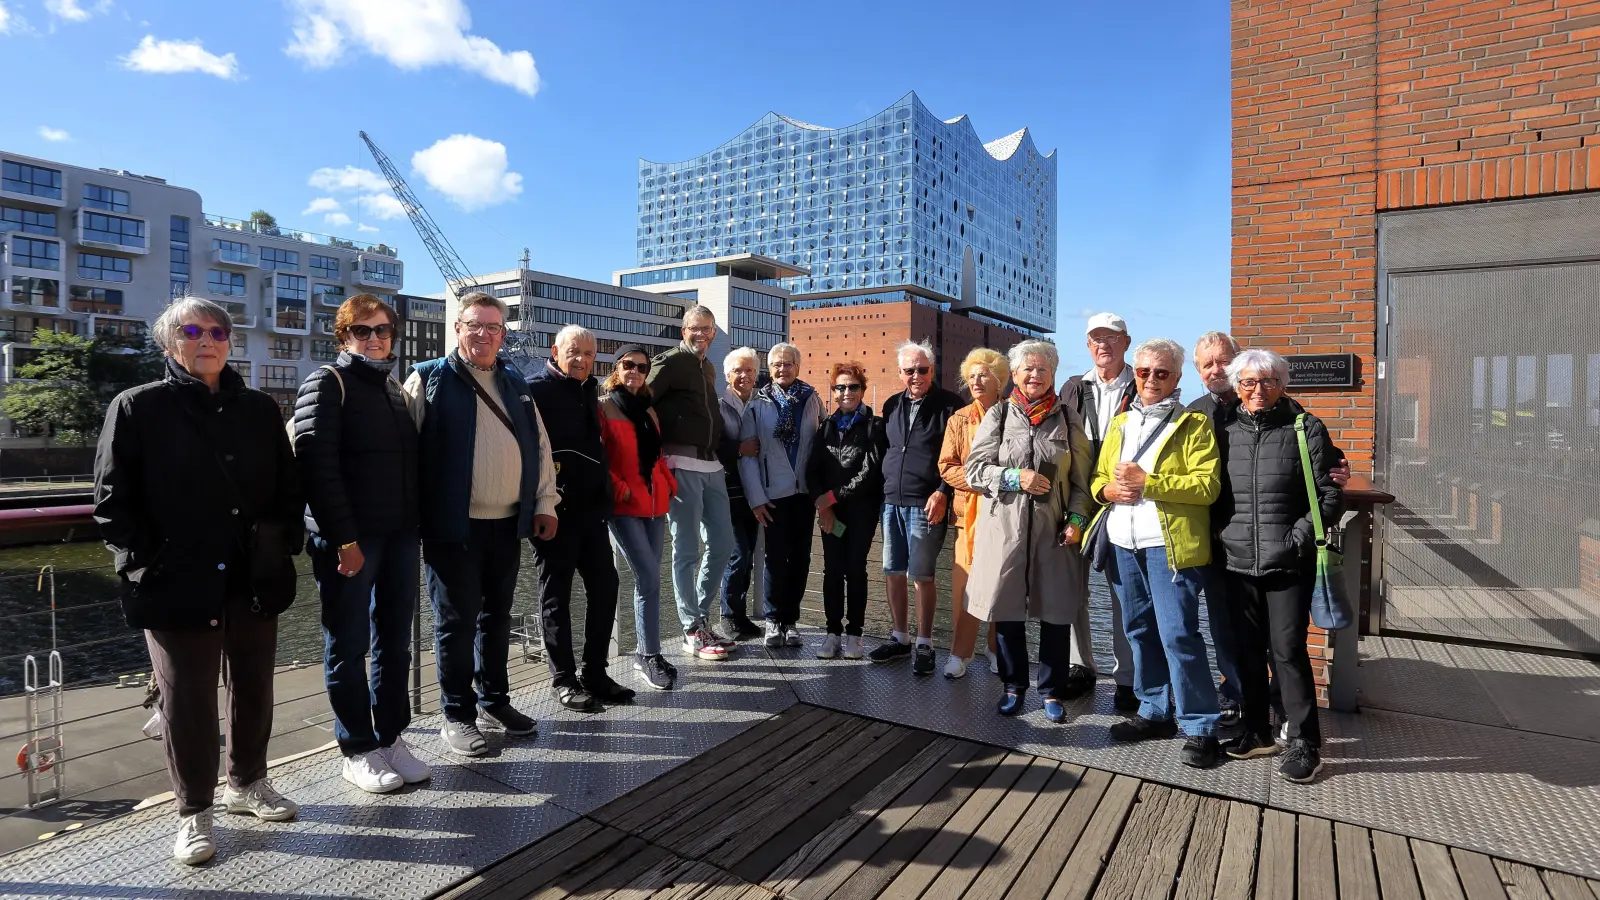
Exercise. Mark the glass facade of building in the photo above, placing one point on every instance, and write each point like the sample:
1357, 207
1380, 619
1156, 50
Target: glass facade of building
901, 198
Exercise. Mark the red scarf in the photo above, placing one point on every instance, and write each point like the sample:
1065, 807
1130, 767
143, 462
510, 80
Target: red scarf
1037, 410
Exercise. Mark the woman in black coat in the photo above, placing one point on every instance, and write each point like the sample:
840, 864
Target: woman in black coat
1271, 561
357, 447
845, 477
196, 492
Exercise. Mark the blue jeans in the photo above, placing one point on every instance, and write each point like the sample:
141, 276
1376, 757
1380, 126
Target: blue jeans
699, 513
736, 580
1223, 639
639, 540
910, 545
370, 610
472, 586
1161, 614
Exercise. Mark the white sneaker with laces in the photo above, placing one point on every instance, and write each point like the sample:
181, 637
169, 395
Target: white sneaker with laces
773, 636
955, 667
261, 800
195, 843
829, 648
408, 767
994, 662
370, 771
852, 647
701, 645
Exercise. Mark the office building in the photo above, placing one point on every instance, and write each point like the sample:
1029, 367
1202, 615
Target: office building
743, 291
99, 251
424, 331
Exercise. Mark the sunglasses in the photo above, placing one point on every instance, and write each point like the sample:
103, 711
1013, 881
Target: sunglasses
194, 333
362, 332
1157, 374
847, 389
916, 370
629, 365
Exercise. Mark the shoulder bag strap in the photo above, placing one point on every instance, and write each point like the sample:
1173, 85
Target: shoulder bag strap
1152, 437
1311, 484
1091, 416
493, 406
339, 378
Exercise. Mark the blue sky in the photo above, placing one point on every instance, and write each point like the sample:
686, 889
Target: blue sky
554, 104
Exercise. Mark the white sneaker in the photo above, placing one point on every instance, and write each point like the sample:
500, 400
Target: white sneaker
701, 645
773, 636
829, 648
955, 667
154, 726
994, 662
791, 637
852, 646
195, 844
408, 767
370, 771
261, 800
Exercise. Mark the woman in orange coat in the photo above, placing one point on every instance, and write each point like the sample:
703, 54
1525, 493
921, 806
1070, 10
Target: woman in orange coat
643, 488
984, 373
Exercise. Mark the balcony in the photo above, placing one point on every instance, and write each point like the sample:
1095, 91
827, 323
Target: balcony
31, 294
329, 295
287, 319
239, 313
34, 200
322, 324
376, 270
113, 240
235, 259
128, 331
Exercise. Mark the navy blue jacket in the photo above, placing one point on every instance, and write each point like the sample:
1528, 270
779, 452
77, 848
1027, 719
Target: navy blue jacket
571, 413
911, 457
448, 442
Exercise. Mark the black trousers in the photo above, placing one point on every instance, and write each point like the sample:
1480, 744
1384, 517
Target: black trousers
1269, 614
1055, 655
471, 586
582, 546
844, 567
789, 556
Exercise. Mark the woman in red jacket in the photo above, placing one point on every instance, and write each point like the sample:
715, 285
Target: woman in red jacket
643, 486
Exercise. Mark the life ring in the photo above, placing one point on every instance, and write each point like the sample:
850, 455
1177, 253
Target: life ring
47, 761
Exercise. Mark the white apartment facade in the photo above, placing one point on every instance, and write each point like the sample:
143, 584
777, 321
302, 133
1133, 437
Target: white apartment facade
742, 290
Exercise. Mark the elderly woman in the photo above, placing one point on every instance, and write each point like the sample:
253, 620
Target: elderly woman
1270, 544
741, 368
846, 480
1030, 460
1159, 473
357, 448
783, 417
197, 493
984, 373
643, 487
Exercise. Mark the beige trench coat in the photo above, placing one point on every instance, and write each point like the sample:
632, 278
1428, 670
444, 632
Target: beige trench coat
1019, 568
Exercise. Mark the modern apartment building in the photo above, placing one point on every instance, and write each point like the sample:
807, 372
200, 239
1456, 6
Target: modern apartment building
424, 331
743, 291
104, 251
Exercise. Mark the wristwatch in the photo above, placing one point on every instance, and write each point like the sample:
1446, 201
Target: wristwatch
344, 547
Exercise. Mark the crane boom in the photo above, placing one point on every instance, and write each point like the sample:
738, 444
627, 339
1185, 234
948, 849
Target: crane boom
456, 276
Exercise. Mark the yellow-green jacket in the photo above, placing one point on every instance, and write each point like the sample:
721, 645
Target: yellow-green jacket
1186, 481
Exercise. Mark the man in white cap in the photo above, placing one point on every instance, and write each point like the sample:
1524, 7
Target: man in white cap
1099, 395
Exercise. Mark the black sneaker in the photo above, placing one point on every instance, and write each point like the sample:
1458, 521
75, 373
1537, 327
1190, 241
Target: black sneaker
654, 671
603, 688
1249, 745
506, 718
738, 628
575, 698
1125, 700
1301, 762
1079, 681
1139, 728
889, 651
1200, 752
922, 660
672, 670
1229, 714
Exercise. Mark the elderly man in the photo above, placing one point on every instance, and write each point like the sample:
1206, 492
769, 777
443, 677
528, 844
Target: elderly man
487, 483
915, 501
742, 577
568, 399
684, 385
1100, 395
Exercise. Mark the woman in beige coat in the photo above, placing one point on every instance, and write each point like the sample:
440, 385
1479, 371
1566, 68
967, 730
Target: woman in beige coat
1031, 460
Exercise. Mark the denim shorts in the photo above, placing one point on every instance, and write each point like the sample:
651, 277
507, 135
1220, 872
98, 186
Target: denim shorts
910, 545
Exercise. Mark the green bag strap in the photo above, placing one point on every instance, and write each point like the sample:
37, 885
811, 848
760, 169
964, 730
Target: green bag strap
1311, 483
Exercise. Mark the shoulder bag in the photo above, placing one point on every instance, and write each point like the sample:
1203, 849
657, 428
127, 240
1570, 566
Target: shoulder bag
1330, 601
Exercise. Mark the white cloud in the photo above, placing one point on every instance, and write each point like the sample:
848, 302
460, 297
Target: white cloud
381, 206
170, 57
73, 11
411, 34
469, 170
337, 220
349, 178
5, 19
322, 205
371, 192
54, 135
365, 227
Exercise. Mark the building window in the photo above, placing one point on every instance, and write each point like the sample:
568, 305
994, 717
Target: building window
98, 197
611, 301
28, 253
285, 348
27, 291
228, 284
104, 268
325, 266
324, 351
84, 299
242, 366
179, 246
232, 251
601, 323
113, 230
38, 181
322, 322
381, 272
238, 344
27, 221
506, 290
280, 377
327, 294
273, 258
692, 296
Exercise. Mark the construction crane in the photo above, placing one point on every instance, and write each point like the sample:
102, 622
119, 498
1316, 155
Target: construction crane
519, 349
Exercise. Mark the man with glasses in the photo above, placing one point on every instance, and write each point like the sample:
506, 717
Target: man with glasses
487, 484
566, 389
915, 501
1100, 395
684, 385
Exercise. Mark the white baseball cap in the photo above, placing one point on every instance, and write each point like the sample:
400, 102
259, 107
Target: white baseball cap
1106, 320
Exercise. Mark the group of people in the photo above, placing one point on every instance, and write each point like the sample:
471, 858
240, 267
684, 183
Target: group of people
466, 459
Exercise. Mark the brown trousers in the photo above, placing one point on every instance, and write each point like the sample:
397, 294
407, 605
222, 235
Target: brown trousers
186, 665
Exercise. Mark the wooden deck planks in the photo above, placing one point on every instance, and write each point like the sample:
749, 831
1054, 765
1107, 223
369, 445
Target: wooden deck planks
575, 844
1088, 859
1358, 878
990, 837
1147, 855
1035, 880
1275, 866
1397, 877
1236, 870
944, 845
1479, 880
1031, 831
1566, 887
1521, 881
1314, 862
1197, 879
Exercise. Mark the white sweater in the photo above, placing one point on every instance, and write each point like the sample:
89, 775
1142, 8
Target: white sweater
1137, 526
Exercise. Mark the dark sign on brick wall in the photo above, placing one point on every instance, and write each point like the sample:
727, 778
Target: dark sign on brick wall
1322, 370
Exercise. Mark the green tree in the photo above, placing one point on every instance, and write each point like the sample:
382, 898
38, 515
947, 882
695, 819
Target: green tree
264, 222
68, 383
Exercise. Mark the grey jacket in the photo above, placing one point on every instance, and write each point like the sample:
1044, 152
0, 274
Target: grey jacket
768, 475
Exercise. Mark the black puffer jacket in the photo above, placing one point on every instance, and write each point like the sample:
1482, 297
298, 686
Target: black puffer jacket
357, 447
570, 410
1269, 527
849, 463
183, 476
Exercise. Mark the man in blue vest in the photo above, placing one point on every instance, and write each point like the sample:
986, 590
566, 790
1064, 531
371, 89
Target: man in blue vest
487, 484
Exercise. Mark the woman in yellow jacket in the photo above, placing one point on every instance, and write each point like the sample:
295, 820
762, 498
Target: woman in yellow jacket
1158, 474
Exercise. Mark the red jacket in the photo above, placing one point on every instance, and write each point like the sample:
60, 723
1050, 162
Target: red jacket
633, 496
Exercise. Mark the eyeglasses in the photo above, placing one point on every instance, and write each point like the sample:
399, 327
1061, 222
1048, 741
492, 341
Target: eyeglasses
847, 389
1157, 374
1250, 384
628, 365
700, 329
362, 332
192, 333
492, 329
916, 370
1106, 340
